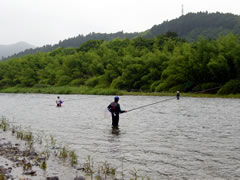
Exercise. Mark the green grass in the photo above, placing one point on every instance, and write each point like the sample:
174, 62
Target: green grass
103, 91
62, 90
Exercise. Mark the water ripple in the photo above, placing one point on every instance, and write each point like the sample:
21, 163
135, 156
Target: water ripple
194, 138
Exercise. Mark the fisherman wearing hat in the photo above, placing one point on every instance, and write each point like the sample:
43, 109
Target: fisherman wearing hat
59, 102
115, 110
178, 95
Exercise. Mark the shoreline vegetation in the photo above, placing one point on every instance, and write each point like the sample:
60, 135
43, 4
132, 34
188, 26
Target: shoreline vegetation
27, 155
106, 91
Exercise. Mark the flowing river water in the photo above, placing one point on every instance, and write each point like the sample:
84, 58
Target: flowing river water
190, 138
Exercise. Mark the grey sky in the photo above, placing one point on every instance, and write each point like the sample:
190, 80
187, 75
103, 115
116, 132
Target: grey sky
41, 22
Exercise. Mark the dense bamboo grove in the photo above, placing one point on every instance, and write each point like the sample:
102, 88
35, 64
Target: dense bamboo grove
164, 63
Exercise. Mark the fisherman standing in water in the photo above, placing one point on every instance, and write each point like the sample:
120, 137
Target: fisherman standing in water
178, 95
115, 110
59, 102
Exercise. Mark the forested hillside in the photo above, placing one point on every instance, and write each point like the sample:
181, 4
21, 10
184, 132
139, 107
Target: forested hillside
194, 25
77, 41
163, 63
190, 27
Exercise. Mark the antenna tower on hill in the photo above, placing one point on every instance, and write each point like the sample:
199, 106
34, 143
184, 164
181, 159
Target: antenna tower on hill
182, 10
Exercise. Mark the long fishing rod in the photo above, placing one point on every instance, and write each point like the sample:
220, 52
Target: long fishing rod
215, 88
80, 98
175, 97
151, 104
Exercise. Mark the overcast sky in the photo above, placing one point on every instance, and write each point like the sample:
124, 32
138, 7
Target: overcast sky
41, 22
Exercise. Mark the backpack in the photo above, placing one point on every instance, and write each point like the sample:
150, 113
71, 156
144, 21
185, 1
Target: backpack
112, 107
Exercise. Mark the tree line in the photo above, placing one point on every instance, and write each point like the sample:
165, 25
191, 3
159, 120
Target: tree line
164, 63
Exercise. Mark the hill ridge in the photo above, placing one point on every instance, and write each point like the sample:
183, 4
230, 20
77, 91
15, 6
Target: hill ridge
189, 27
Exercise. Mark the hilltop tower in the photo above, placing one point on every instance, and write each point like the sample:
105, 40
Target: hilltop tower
182, 10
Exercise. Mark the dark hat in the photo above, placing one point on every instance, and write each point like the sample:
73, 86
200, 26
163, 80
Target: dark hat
116, 98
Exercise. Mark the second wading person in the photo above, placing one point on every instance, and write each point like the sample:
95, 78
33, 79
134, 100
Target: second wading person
115, 110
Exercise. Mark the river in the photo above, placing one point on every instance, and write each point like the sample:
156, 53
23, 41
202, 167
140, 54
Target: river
190, 138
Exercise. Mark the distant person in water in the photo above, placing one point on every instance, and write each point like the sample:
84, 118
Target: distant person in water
115, 110
178, 95
59, 102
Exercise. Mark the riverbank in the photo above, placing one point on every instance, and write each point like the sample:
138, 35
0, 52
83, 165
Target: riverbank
104, 91
27, 156
19, 162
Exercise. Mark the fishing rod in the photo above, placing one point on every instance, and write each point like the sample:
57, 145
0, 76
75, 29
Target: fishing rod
215, 88
175, 97
151, 104
80, 98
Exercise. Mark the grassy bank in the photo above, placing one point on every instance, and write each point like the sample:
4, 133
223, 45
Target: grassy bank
104, 91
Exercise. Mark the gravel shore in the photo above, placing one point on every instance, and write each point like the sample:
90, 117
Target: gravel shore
18, 162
